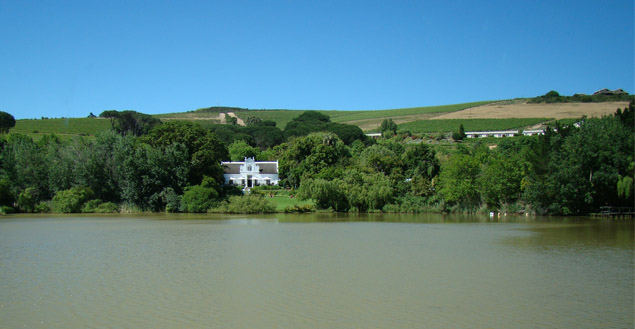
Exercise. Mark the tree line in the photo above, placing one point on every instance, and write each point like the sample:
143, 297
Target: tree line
143, 164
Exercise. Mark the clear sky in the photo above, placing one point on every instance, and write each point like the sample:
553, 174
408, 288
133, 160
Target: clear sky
70, 58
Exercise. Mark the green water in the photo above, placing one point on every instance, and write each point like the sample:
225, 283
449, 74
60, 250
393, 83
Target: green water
315, 271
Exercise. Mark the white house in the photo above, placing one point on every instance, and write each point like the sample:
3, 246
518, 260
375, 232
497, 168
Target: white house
532, 132
250, 173
478, 134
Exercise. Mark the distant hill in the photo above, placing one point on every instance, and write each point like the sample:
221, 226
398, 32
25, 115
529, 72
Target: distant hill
517, 113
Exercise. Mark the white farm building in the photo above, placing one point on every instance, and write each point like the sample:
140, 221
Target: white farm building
250, 173
479, 134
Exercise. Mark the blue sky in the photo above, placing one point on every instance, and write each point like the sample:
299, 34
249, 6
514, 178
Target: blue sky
70, 58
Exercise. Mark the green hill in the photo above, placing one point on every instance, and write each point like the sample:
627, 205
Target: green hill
415, 119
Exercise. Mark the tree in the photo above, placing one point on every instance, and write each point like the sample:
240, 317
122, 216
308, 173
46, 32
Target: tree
380, 158
501, 181
239, 150
71, 201
112, 115
253, 121
200, 198
231, 120
327, 194
130, 122
459, 183
7, 121
27, 200
6, 195
204, 149
388, 128
420, 160
459, 135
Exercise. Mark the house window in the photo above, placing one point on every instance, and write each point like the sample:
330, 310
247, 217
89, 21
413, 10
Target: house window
249, 168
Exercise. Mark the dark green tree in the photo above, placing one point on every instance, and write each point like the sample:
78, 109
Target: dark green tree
204, 149
388, 128
239, 150
7, 121
459, 135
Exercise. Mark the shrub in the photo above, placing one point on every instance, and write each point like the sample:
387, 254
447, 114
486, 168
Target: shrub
6, 210
107, 207
42, 207
246, 204
71, 201
91, 205
198, 199
299, 208
27, 200
6, 197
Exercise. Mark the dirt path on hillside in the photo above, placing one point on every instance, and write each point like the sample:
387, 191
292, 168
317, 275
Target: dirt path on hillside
524, 110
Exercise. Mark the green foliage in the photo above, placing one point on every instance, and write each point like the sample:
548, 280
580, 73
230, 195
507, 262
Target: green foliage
4, 210
299, 208
420, 160
199, 199
7, 121
313, 121
131, 122
500, 182
204, 150
253, 121
575, 171
71, 200
42, 207
459, 135
230, 120
627, 117
625, 187
91, 205
6, 195
314, 155
388, 128
27, 200
380, 158
239, 150
458, 181
554, 97
98, 206
245, 204
355, 190
326, 194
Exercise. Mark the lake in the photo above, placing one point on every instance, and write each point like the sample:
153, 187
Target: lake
315, 271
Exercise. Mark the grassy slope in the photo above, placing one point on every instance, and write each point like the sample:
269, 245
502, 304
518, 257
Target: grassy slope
282, 117
409, 118
67, 126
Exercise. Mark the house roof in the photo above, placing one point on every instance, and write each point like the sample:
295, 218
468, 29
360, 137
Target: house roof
266, 167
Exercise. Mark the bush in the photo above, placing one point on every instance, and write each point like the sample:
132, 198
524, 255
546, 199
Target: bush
107, 207
198, 199
91, 205
6, 197
246, 204
71, 201
42, 207
27, 200
299, 208
6, 210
